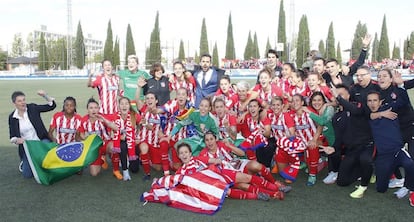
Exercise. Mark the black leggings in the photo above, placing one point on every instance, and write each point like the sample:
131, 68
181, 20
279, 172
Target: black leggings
133, 164
357, 163
265, 154
124, 155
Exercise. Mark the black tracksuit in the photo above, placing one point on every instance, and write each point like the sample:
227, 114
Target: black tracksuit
397, 98
357, 139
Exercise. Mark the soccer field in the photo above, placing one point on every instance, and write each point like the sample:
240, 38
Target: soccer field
103, 198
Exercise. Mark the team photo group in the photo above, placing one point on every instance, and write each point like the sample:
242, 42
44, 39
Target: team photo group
213, 137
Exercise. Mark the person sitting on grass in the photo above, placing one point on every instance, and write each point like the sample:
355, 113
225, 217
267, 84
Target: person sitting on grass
193, 164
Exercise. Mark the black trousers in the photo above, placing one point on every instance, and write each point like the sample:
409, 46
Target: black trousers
358, 162
265, 155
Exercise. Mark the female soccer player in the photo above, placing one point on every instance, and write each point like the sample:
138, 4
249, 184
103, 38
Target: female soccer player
282, 125
124, 138
179, 80
256, 130
65, 123
266, 88
321, 113
306, 130
198, 123
153, 143
96, 123
192, 165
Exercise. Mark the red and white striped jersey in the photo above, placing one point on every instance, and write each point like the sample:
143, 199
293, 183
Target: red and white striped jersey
173, 110
304, 90
98, 127
65, 128
284, 84
189, 85
223, 152
222, 129
150, 136
251, 129
193, 166
267, 96
305, 127
108, 88
280, 124
325, 91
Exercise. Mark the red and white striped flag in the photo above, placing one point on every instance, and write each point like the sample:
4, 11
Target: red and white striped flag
201, 192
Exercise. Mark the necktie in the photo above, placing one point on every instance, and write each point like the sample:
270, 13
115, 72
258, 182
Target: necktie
203, 81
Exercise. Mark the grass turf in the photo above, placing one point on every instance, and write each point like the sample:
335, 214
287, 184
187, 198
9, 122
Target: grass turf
103, 198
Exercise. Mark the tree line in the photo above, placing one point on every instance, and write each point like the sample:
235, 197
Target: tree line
298, 48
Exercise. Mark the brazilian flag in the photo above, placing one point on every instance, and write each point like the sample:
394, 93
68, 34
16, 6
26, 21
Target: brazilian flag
51, 162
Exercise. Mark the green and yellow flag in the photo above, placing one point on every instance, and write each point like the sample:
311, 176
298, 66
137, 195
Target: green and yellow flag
51, 162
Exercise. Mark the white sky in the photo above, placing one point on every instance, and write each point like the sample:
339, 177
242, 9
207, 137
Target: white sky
181, 19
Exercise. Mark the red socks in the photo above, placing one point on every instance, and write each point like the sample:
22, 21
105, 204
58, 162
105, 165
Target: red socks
263, 183
267, 175
145, 163
242, 195
115, 161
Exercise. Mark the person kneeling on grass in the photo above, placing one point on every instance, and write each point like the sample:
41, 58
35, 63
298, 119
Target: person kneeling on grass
390, 148
25, 123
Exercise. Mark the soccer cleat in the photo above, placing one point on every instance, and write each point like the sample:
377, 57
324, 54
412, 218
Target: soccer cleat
288, 181
146, 177
402, 192
285, 189
394, 183
331, 178
263, 196
311, 180
282, 187
279, 195
411, 199
359, 192
303, 165
373, 179
275, 169
104, 163
21, 166
125, 175
117, 174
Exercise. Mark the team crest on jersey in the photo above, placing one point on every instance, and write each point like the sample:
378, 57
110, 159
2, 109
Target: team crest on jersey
163, 84
393, 95
302, 127
112, 88
277, 127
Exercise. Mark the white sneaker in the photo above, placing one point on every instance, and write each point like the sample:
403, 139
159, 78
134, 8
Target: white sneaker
359, 192
331, 178
394, 183
21, 166
402, 192
126, 176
